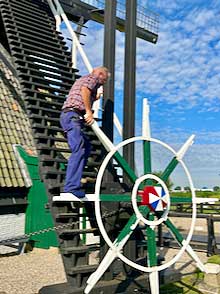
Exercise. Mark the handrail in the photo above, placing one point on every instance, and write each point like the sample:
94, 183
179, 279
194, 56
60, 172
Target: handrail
60, 14
56, 15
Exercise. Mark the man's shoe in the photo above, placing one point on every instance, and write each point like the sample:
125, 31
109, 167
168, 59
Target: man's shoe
79, 193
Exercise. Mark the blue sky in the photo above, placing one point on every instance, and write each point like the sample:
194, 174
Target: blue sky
180, 76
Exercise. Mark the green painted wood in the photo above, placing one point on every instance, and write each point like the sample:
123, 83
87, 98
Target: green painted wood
37, 216
117, 198
169, 169
147, 161
127, 230
151, 244
174, 230
171, 166
125, 166
84, 225
180, 200
147, 157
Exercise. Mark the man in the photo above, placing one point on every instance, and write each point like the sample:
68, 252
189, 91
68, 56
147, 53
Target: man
77, 111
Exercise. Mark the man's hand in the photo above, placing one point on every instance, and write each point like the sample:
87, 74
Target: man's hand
86, 93
89, 117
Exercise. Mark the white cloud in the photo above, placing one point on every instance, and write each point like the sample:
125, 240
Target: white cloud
183, 66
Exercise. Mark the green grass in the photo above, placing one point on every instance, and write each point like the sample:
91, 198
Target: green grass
198, 194
209, 209
190, 283
208, 194
214, 259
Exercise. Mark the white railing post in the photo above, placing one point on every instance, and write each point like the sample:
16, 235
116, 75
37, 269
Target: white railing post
145, 119
117, 124
56, 15
73, 35
74, 55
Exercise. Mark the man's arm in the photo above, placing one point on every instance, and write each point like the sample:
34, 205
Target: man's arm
86, 94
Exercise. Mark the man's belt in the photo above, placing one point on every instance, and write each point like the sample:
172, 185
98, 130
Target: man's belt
80, 112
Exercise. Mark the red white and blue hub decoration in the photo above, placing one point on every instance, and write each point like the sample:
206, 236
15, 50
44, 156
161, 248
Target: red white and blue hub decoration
154, 197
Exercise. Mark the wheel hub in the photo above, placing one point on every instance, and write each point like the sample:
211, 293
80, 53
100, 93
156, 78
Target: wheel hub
156, 198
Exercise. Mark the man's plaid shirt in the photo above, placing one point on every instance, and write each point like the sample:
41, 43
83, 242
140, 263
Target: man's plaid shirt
74, 98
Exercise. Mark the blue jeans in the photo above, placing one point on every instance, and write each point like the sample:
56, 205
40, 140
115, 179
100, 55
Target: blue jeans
80, 148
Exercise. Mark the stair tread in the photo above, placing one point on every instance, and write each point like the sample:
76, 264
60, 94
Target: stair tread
48, 64
45, 87
41, 33
41, 61
50, 170
77, 231
39, 136
79, 249
64, 160
45, 94
27, 10
82, 269
44, 52
36, 40
31, 4
43, 102
47, 110
35, 73
20, 35
39, 126
32, 25
15, 18
24, 16
68, 215
22, 7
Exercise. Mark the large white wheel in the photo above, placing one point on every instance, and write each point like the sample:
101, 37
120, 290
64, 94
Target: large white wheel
147, 204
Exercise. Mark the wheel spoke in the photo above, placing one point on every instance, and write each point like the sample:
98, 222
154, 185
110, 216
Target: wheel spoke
154, 282
181, 200
169, 169
179, 155
118, 198
151, 244
125, 166
147, 157
180, 239
175, 231
130, 226
147, 160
